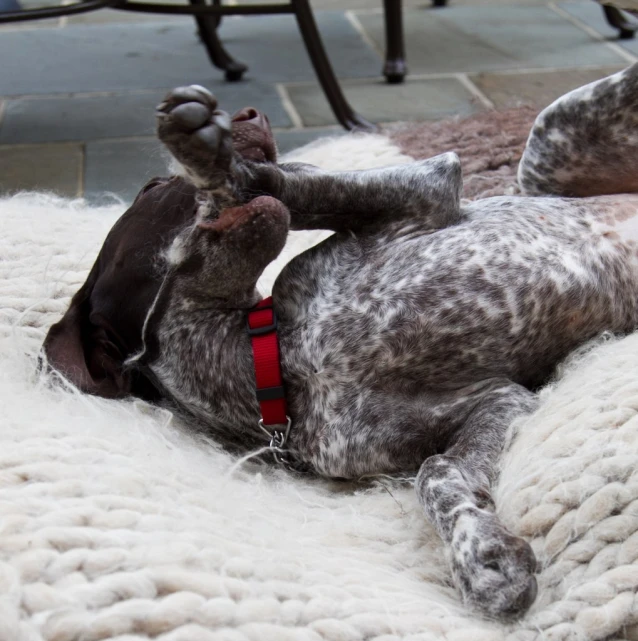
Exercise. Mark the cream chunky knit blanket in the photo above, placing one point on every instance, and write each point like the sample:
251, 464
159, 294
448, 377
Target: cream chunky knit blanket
117, 524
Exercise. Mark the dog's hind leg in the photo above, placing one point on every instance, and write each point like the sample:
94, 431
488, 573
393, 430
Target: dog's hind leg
493, 569
586, 142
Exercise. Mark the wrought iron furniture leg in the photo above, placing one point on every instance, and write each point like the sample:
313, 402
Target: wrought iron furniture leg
218, 55
615, 17
349, 118
395, 66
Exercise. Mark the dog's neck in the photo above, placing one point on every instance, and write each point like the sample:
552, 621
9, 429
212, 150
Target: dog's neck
205, 360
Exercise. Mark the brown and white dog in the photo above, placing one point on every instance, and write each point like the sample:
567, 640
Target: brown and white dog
409, 340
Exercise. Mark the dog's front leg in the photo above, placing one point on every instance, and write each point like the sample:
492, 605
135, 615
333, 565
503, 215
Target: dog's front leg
426, 193
199, 137
493, 569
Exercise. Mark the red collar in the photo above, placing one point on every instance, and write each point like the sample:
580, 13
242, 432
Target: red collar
262, 329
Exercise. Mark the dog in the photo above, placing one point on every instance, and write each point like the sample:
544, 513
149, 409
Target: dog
408, 341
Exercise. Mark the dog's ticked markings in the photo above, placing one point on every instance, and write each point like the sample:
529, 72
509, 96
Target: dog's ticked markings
410, 339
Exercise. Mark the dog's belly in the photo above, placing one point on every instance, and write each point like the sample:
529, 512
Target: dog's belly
505, 294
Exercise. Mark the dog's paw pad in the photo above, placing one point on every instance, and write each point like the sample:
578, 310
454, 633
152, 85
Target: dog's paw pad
197, 134
186, 109
191, 115
494, 569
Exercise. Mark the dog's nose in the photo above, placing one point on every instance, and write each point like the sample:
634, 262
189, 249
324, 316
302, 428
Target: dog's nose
247, 113
251, 115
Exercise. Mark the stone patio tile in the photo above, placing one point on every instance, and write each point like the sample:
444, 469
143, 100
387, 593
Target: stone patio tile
79, 118
495, 37
289, 140
539, 89
164, 54
53, 168
592, 15
251, 40
121, 168
113, 16
29, 25
380, 102
34, 4
118, 115
102, 58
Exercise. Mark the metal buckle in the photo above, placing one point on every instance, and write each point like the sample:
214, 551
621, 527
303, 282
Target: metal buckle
278, 440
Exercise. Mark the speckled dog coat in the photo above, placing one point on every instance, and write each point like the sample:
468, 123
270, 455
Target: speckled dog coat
410, 339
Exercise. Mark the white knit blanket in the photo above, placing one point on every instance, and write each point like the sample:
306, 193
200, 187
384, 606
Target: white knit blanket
116, 524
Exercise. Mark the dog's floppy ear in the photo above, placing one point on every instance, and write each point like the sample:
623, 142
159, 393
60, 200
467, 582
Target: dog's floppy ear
85, 353
103, 326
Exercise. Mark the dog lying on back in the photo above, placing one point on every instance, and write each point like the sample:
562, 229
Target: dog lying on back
408, 341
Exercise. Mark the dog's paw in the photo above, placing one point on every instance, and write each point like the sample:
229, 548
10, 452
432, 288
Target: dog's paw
196, 133
493, 569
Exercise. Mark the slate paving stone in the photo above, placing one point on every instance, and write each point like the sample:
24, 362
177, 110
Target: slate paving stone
380, 102
121, 168
34, 4
288, 61
489, 38
101, 58
592, 15
51, 168
119, 115
538, 89
29, 25
78, 118
112, 16
165, 54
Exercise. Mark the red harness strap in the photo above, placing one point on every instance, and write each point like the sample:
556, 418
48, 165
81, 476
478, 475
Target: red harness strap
262, 329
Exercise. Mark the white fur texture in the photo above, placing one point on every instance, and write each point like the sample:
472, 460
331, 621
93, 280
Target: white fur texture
117, 524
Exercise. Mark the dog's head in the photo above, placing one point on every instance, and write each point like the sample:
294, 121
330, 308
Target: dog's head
166, 242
